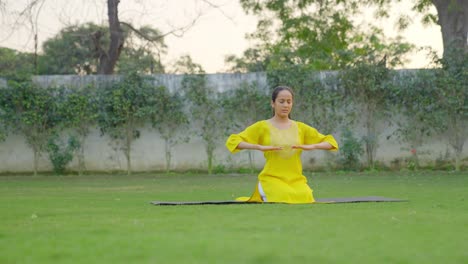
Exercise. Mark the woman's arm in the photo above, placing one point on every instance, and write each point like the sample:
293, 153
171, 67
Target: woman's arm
313, 140
250, 138
321, 145
245, 145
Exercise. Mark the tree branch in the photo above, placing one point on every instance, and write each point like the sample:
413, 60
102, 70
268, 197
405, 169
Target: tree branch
178, 32
218, 8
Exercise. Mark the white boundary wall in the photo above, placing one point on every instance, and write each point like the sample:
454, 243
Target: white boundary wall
148, 150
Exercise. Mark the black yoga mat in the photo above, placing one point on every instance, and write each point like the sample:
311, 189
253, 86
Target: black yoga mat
319, 201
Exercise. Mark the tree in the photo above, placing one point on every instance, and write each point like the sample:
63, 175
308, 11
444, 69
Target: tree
244, 106
350, 151
414, 100
32, 111
320, 35
15, 65
451, 82
434, 103
452, 17
5, 113
252, 60
204, 106
3, 128
325, 29
124, 108
73, 51
79, 111
206, 113
108, 58
170, 120
61, 153
367, 84
108, 55
142, 58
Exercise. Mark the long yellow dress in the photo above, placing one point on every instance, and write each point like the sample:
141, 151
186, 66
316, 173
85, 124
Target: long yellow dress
281, 179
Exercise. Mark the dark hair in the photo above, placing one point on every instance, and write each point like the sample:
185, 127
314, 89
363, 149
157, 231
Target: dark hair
278, 89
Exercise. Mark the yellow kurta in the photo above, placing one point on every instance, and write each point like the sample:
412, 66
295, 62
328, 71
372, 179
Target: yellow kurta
281, 178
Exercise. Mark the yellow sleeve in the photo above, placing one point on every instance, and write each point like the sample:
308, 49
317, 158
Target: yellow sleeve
252, 135
310, 136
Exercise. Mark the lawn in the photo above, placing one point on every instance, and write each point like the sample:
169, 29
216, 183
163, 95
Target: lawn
109, 219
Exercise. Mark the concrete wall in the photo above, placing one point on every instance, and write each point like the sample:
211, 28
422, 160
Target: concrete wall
220, 82
148, 150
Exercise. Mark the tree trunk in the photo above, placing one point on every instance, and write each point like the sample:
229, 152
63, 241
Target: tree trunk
453, 21
167, 150
371, 135
370, 147
36, 161
209, 152
108, 60
457, 138
128, 149
81, 162
251, 162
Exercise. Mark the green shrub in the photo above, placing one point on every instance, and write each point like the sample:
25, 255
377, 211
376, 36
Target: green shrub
350, 151
60, 153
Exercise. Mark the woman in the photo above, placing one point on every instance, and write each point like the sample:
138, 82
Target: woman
282, 140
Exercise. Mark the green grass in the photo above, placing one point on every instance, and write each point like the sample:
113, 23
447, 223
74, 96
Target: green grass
108, 219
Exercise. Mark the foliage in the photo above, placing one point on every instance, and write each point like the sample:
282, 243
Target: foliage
373, 45
329, 29
414, 98
367, 85
170, 120
5, 112
3, 131
320, 35
205, 112
73, 50
60, 153
32, 111
124, 107
434, 102
205, 107
185, 65
142, 51
79, 110
252, 60
302, 34
245, 105
451, 111
350, 151
139, 59
15, 65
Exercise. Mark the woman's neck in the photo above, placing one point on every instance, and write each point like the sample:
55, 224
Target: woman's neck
281, 123
280, 120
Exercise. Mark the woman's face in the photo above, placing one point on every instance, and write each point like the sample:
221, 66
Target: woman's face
283, 104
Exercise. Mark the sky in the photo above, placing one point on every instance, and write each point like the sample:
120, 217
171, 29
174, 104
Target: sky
217, 32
